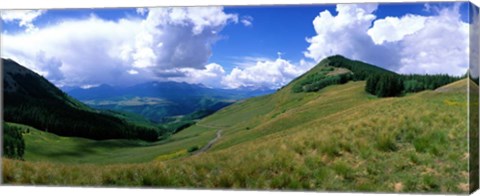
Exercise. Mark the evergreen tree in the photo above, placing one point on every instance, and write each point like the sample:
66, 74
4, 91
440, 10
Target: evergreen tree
13, 142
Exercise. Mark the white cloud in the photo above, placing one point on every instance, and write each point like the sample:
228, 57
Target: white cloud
247, 21
408, 44
178, 37
210, 76
249, 72
86, 56
142, 11
120, 52
428, 44
392, 29
266, 73
346, 34
132, 72
87, 86
23, 17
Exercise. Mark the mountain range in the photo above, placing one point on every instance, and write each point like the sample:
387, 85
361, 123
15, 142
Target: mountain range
159, 101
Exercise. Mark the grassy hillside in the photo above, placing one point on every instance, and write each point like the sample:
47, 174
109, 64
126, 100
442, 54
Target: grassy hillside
339, 138
42, 146
335, 70
380, 82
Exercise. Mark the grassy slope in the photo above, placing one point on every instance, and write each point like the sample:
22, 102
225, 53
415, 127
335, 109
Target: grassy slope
43, 146
337, 139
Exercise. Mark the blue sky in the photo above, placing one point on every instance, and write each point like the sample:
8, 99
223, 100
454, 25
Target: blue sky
291, 25
263, 46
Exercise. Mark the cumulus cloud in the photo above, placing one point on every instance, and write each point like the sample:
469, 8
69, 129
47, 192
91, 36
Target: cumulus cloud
179, 37
408, 44
120, 52
211, 75
266, 73
346, 34
441, 46
343, 33
251, 72
24, 18
392, 29
87, 56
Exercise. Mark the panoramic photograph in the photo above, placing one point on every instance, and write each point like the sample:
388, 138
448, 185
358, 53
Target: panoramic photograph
323, 97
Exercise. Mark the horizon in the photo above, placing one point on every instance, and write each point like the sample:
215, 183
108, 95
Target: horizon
194, 45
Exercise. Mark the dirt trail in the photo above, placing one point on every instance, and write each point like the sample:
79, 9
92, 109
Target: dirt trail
210, 143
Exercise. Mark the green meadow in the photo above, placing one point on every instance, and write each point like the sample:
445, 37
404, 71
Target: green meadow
44, 146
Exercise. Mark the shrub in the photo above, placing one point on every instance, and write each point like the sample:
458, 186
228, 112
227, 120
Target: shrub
193, 149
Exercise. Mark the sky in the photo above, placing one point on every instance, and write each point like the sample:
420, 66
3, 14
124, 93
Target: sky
231, 47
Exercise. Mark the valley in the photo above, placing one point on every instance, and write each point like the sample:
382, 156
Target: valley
160, 102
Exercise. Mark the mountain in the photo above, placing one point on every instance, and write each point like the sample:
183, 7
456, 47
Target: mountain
101, 91
159, 101
20, 82
164, 90
32, 100
335, 70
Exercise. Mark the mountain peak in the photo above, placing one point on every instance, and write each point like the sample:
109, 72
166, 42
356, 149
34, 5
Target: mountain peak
334, 70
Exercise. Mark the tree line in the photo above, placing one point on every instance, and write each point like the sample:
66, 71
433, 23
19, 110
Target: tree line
390, 85
67, 121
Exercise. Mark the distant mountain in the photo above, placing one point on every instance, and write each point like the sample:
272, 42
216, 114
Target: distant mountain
32, 100
158, 101
91, 93
165, 90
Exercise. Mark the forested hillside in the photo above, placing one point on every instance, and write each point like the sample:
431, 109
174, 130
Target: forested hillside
380, 82
30, 99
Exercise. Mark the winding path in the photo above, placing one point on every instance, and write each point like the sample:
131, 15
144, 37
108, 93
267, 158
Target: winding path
210, 143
